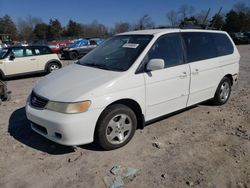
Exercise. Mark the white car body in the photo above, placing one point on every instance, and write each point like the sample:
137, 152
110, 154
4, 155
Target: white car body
157, 93
27, 64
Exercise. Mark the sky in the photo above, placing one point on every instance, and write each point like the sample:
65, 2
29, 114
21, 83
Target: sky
107, 12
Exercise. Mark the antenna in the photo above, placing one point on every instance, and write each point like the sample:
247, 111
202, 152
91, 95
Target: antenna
216, 15
205, 19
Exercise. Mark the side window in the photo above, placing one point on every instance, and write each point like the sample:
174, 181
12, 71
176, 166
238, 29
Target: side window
28, 52
45, 50
223, 44
37, 51
92, 42
169, 48
200, 46
18, 52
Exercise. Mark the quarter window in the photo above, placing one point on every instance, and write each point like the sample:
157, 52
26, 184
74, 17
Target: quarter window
168, 48
45, 50
223, 44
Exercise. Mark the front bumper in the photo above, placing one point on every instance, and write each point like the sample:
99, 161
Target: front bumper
65, 129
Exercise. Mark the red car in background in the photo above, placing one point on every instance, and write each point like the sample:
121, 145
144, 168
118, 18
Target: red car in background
55, 46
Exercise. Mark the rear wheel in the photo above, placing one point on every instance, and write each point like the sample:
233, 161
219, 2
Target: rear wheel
73, 55
115, 127
223, 92
53, 67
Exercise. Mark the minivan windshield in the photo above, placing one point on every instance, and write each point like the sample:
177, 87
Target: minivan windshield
117, 53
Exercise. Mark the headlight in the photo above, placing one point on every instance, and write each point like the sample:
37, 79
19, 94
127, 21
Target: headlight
68, 108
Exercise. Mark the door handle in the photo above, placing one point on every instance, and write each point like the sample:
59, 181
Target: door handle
195, 72
32, 59
183, 75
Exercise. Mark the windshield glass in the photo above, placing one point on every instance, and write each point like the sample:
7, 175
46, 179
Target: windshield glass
3, 52
117, 53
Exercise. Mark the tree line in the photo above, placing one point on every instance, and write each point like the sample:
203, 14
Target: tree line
34, 29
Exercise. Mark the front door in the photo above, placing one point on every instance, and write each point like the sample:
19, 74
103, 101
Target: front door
167, 89
23, 62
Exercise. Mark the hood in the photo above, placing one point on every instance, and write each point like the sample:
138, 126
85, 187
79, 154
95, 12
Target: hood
74, 83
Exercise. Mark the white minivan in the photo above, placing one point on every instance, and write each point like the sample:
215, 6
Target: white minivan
130, 79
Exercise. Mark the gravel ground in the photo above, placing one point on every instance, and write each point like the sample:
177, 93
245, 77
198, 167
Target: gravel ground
205, 146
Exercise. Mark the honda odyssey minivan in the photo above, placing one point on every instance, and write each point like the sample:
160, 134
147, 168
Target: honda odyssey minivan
130, 79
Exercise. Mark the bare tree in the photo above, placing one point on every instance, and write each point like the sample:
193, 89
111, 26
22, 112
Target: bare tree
201, 16
186, 11
121, 27
241, 7
173, 18
94, 29
26, 27
145, 22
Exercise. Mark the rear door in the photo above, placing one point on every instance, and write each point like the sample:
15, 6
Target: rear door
23, 62
167, 89
205, 65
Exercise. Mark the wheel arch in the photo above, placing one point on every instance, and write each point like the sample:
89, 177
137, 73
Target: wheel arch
133, 105
2, 75
230, 77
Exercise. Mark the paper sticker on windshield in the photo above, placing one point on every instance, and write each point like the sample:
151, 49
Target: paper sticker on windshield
130, 45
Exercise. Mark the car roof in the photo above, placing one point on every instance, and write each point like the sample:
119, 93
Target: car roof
168, 30
31, 46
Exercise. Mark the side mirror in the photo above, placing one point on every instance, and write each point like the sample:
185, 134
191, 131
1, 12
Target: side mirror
12, 57
155, 64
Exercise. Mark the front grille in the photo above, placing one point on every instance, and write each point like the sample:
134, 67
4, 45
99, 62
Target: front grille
38, 101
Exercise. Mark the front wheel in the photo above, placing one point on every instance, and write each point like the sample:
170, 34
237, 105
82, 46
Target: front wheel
73, 55
115, 127
223, 92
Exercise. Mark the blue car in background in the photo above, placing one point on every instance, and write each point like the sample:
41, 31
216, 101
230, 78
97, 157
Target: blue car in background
80, 47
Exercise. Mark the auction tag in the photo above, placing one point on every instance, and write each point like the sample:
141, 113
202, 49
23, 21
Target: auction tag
130, 45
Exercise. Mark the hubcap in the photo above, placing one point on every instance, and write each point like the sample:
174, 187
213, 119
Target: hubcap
119, 128
224, 91
53, 68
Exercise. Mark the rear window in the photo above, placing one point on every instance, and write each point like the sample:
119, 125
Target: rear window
201, 46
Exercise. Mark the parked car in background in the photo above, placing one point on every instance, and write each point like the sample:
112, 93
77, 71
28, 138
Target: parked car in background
80, 48
240, 38
60, 43
20, 60
132, 78
54, 48
22, 43
247, 34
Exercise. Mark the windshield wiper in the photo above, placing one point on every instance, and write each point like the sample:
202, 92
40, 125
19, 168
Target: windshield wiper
100, 66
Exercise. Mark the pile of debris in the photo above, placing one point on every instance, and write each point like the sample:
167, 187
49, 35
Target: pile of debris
119, 176
4, 93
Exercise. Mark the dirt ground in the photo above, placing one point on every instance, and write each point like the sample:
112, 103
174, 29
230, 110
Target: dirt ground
206, 146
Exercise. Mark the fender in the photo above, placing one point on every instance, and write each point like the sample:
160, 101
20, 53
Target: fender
2, 75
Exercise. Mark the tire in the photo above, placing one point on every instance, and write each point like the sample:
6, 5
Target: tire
115, 127
73, 55
53, 67
223, 91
